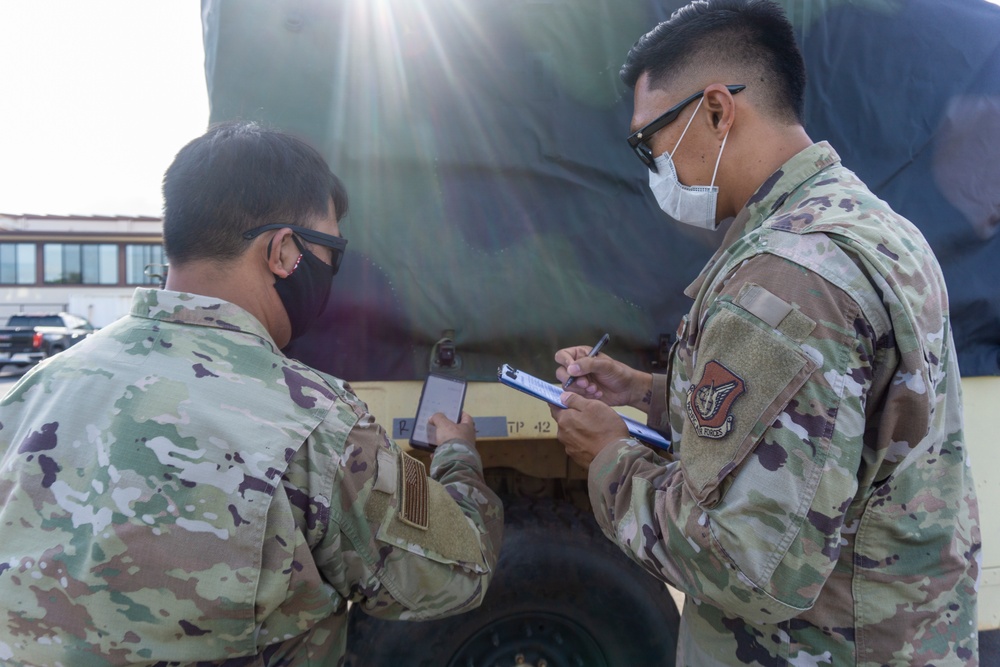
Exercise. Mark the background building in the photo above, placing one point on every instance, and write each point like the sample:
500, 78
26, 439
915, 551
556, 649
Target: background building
85, 265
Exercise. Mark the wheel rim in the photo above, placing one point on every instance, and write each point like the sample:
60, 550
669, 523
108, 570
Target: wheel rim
530, 640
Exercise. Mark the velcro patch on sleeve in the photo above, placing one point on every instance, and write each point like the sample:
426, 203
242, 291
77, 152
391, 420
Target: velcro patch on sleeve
413, 510
452, 539
775, 311
768, 307
745, 375
388, 471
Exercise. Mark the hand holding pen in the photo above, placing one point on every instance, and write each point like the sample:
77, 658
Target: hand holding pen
593, 353
604, 378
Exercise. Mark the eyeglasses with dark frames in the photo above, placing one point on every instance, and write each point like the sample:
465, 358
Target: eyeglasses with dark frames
335, 243
637, 140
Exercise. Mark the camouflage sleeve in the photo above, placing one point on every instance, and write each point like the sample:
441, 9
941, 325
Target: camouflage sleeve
658, 416
750, 516
457, 466
405, 545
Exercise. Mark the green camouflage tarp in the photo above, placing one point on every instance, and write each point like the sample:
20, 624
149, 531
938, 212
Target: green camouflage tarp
493, 194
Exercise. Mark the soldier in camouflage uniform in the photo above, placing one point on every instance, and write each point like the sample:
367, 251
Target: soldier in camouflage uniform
175, 490
819, 508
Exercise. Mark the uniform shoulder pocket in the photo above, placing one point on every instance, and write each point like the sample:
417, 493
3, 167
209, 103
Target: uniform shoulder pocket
749, 364
415, 513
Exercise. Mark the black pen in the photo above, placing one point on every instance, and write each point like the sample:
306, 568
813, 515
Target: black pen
593, 353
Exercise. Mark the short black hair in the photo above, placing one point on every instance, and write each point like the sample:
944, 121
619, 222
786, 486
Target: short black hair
751, 35
238, 176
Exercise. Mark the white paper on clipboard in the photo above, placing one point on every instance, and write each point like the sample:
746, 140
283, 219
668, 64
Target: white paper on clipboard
550, 393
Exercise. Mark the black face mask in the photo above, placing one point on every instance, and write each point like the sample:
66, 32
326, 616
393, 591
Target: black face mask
305, 291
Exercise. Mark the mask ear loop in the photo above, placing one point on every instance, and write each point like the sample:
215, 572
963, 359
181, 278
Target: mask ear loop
719, 159
297, 261
686, 127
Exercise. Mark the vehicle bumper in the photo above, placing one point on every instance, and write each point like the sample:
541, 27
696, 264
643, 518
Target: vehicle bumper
21, 357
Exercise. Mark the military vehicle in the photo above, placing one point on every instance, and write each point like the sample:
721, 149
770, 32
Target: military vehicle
498, 215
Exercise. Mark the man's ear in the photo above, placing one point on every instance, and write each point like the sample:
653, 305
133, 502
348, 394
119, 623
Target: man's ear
281, 253
720, 104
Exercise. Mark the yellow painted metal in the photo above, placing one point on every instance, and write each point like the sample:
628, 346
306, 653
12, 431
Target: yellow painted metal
532, 449
981, 397
529, 447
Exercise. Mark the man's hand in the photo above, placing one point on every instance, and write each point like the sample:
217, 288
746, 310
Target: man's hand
603, 378
586, 427
440, 429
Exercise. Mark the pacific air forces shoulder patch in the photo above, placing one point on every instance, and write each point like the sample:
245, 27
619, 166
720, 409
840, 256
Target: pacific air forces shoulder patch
710, 402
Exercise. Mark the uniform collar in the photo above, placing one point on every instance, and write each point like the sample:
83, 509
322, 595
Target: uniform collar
768, 198
197, 310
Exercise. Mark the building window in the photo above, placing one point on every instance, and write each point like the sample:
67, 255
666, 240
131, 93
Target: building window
138, 257
80, 263
17, 263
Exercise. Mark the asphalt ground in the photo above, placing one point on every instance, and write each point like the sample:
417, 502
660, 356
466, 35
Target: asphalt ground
8, 376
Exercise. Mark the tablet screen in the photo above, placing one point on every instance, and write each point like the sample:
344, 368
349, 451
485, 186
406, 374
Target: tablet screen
443, 394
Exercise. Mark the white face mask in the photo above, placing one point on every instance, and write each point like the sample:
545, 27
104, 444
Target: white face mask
691, 204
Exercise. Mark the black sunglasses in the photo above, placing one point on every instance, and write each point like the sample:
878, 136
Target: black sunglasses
335, 243
638, 138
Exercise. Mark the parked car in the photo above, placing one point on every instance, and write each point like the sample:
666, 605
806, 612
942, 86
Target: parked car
30, 337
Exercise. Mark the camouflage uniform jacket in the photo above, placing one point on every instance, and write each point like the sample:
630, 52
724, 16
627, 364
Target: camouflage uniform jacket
174, 490
820, 509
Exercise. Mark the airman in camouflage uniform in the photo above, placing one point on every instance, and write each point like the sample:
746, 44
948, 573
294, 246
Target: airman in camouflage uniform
175, 490
819, 509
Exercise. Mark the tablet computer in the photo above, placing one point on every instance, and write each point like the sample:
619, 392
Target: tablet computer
441, 393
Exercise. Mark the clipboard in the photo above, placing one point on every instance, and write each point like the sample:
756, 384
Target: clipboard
550, 393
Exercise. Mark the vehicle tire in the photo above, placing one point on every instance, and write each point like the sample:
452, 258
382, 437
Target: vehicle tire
989, 647
563, 596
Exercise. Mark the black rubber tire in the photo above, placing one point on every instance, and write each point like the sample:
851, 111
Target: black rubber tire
562, 594
989, 647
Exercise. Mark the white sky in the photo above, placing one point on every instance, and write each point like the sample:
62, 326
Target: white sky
96, 98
